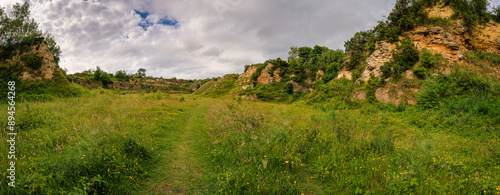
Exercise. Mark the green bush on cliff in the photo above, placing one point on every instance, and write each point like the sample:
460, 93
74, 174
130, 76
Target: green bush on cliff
32, 61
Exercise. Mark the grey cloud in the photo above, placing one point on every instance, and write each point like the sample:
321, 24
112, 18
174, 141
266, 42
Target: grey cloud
212, 38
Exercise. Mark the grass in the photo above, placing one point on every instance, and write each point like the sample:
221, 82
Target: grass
116, 143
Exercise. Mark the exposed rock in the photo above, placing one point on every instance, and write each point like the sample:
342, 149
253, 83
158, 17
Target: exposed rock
394, 94
382, 54
47, 68
250, 97
382, 95
487, 38
440, 12
359, 95
196, 85
265, 77
297, 87
436, 30
319, 75
439, 41
245, 77
345, 74
409, 74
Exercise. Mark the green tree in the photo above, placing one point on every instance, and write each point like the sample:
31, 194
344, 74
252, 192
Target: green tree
121, 75
97, 74
496, 11
105, 79
17, 28
141, 73
331, 72
293, 54
304, 53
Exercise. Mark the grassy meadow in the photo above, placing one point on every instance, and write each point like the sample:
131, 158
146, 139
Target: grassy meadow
107, 142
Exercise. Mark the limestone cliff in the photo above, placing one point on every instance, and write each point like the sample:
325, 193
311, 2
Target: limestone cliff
40, 51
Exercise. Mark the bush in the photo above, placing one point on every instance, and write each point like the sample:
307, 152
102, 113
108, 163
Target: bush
427, 60
372, 85
420, 72
289, 88
121, 75
33, 61
331, 72
496, 17
386, 69
181, 99
458, 83
405, 57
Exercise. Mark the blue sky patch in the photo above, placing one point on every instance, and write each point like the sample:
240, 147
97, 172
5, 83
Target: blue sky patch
145, 24
168, 22
143, 15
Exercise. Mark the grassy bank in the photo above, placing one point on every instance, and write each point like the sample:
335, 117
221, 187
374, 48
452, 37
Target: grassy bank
115, 143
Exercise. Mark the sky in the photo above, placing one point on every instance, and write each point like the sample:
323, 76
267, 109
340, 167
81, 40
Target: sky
196, 39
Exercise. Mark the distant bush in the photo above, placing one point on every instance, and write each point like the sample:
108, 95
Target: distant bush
496, 11
405, 57
181, 99
331, 72
386, 69
289, 88
444, 87
427, 60
340, 90
121, 75
371, 86
420, 71
33, 61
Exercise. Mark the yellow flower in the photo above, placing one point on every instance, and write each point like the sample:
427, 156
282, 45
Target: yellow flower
286, 161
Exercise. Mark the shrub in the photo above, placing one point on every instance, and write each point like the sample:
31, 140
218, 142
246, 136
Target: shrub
105, 79
181, 99
393, 34
444, 87
386, 69
420, 72
289, 88
331, 72
33, 61
372, 85
405, 57
121, 75
427, 60
496, 17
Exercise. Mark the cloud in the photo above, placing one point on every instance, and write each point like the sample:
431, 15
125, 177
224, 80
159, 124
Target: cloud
196, 38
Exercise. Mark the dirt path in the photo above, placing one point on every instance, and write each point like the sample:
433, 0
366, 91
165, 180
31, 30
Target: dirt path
181, 170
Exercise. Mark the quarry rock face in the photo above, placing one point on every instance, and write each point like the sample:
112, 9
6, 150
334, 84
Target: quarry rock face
487, 39
345, 74
265, 76
382, 54
45, 71
245, 77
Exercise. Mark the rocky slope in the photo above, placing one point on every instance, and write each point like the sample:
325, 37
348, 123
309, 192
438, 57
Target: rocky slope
450, 39
46, 70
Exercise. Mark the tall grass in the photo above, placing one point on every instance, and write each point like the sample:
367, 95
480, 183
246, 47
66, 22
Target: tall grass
102, 144
260, 148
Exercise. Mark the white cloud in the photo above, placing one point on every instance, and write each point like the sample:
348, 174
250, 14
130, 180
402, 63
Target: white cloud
211, 38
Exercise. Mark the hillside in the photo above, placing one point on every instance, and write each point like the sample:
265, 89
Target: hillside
390, 63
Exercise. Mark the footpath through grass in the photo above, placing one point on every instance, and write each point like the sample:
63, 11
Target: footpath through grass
182, 168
